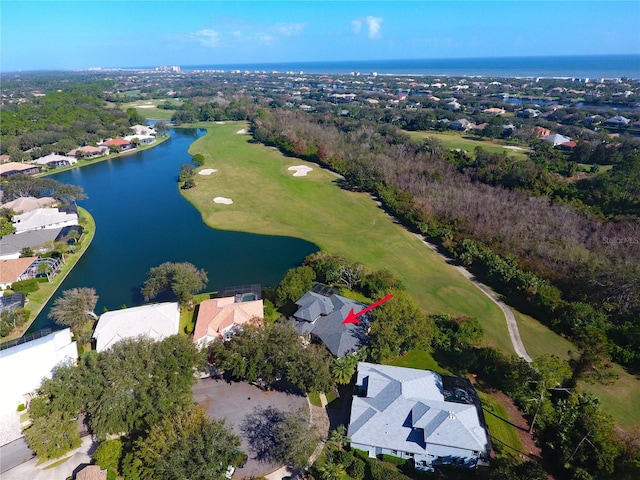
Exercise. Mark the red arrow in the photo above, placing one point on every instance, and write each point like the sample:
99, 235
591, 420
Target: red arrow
353, 317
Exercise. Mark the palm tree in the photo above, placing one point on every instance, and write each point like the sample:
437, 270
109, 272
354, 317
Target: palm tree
339, 436
330, 471
343, 369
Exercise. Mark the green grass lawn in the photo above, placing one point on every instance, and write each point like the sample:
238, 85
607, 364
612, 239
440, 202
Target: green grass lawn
504, 437
269, 200
539, 339
148, 108
458, 140
421, 359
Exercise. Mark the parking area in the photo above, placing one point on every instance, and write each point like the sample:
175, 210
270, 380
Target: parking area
233, 401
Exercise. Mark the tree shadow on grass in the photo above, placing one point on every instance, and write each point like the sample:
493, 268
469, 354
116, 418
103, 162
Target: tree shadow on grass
504, 420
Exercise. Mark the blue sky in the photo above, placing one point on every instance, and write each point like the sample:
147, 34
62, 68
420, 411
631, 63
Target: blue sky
82, 34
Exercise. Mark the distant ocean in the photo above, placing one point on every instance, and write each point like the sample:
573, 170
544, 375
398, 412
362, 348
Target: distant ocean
583, 66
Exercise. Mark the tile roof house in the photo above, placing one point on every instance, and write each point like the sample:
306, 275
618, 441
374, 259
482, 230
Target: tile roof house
13, 270
220, 318
11, 168
412, 413
156, 321
88, 152
92, 472
118, 143
27, 204
55, 160
23, 366
43, 219
320, 316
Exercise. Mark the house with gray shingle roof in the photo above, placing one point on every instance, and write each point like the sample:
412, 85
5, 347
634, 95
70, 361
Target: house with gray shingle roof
617, 121
420, 415
320, 317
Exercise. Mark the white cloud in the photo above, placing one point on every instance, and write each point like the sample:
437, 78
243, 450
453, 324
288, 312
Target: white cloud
246, 33
289, 29
373, 25
207, 37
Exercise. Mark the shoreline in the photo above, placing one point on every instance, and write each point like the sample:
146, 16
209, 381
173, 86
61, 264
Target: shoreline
50, 288
84, 163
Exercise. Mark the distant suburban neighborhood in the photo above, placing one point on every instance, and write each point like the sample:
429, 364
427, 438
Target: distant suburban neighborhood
469, 308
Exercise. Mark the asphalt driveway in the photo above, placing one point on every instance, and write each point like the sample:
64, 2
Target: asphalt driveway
233, 401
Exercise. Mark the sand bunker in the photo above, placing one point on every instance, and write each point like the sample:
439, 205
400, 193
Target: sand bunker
514, 148
220, 123
207, 171
300, 170
223, 200
145, 106
244, 130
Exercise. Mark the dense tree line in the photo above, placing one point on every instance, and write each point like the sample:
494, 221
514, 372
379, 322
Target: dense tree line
580, 253
60, 121
220, 110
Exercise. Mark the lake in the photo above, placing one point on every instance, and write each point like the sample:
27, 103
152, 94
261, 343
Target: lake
143, 221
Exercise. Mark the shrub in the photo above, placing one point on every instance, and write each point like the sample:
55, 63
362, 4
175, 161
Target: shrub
392, 459
342, 457
380, 471
357, 469
25, 286
108, 454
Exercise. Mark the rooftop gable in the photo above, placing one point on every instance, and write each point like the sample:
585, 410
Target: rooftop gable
218, 314
404, 409
156, 321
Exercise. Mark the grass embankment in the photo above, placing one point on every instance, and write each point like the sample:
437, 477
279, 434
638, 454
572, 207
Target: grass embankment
37, 300
269, 200
465, 141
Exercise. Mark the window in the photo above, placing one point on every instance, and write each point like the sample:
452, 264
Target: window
394, 452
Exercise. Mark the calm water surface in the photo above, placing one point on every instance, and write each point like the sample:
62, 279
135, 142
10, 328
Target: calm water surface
143, 221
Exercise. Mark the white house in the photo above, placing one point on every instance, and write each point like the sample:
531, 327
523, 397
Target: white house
418, 414
24, 366
55, 160
143, 130
142, 139
555, 139
156, 321
44, 219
